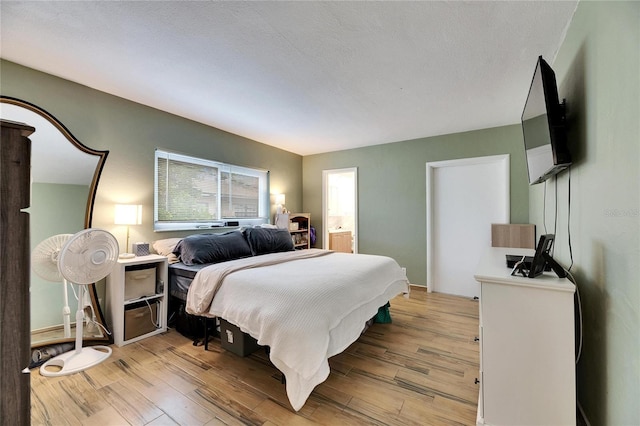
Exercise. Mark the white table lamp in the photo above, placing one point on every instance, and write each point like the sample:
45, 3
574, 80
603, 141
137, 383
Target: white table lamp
128, 214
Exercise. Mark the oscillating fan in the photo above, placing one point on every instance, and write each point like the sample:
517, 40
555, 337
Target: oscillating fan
88, 256
44, 262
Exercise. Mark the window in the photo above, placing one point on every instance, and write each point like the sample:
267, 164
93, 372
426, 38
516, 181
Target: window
194, 193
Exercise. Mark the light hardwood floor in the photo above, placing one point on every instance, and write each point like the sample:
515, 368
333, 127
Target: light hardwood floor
418, 370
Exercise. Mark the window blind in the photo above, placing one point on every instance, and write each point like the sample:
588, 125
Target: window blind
195, 193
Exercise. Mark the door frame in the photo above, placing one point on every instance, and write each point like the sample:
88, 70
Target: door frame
325, 228
502, 161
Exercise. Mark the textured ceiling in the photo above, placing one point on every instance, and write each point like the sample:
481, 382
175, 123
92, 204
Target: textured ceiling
307, 77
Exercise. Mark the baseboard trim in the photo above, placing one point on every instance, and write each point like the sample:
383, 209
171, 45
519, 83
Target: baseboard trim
417, 287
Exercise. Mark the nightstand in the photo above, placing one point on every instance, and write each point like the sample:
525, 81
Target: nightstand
136, 302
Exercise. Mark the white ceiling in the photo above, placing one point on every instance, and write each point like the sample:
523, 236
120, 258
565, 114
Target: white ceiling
307, 77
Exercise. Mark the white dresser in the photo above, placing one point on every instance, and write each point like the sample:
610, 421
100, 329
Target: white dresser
527, 345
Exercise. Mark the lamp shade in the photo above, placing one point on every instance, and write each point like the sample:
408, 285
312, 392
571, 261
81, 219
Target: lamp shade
280, 199
128, 214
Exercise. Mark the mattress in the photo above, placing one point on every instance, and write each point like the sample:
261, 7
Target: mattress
180, 277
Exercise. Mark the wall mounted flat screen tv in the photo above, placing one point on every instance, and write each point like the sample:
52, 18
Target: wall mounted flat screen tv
543, 127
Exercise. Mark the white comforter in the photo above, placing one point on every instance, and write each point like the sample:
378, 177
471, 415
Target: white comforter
306, 310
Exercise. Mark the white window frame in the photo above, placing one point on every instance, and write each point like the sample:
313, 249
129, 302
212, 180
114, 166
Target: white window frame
222, 222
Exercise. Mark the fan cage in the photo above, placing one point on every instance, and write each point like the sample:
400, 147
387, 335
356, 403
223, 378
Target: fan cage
88, 256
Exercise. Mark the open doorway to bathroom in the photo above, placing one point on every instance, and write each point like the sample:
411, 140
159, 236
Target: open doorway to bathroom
340, 209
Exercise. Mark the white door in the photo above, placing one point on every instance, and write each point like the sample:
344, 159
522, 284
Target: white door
340, 204
464, 197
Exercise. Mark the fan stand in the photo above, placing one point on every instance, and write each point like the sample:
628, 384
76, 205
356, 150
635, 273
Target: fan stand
66, 311
82, 357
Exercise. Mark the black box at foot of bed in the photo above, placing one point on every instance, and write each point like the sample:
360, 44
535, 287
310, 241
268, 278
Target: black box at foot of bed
235, 340
188, 325
199, 329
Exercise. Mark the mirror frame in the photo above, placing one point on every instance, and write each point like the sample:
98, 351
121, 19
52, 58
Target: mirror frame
88, 216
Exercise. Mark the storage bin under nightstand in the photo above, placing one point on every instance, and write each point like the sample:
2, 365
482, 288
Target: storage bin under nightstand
140, 319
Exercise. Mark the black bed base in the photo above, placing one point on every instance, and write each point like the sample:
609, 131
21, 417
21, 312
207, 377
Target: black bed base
199, 329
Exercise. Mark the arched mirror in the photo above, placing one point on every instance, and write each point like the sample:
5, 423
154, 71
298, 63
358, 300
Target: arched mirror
64, 179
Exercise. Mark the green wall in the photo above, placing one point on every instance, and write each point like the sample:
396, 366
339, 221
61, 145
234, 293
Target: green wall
131, 132
392, 189
598, 72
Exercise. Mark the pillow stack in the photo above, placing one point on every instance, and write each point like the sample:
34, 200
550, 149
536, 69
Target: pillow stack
216, 248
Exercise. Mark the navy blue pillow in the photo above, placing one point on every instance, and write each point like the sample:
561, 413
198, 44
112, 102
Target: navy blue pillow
268, 240
212, 248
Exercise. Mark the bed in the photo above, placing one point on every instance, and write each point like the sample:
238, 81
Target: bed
305, 305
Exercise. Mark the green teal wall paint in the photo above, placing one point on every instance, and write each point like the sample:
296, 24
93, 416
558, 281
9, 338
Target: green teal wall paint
598, 72
55, 209
392, 188
131, 132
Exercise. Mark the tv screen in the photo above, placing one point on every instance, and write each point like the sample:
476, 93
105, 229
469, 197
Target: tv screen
543, 128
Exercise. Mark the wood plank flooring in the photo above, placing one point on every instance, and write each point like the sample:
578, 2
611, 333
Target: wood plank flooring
418, 370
